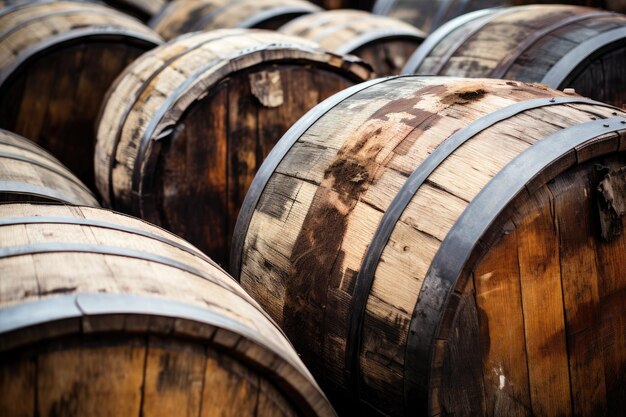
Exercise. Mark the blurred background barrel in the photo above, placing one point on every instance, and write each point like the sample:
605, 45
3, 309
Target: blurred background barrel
428, 15
345, 4
445, 246
187, 125
57, 60
183, 16
102, 315
384, 43
29, 173
141, 9
561, 46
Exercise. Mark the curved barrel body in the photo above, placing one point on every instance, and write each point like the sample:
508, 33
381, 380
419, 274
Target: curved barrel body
384, 43
182, 16
57, 60
561, 46
29, 173
102, 314
186, 125
438, 245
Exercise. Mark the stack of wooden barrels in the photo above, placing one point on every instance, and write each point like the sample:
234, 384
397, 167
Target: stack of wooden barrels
422, 209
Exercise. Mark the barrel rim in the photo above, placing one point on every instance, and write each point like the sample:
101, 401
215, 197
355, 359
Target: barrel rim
445, 271
379, 34
265, 15
82, 307
92, 33
41, 191
155, 132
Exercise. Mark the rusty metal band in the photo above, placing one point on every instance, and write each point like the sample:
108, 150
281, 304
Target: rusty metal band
371, 259
435, 38
505, 65
106, 225
144, 86
265, 15
274, 158
70, 38
81, 307
43, 192
464, 236
62, 173
57, 247
378, 34
100, 11
560, 72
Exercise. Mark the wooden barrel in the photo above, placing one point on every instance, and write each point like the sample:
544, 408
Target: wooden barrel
29, 173
345, 4
141, 9
384, 43
57, 60
428, 15
560, 46
105, 315
186, 125
183, 16
448, 246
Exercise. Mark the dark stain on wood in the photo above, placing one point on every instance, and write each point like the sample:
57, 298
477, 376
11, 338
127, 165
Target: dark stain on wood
612, 204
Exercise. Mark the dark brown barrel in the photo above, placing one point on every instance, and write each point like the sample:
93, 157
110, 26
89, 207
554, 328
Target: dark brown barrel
345, 4
183, 16
102, 314
186, 125
29, 173
428, 15
560, 46
57, 60
447, 246
384, 43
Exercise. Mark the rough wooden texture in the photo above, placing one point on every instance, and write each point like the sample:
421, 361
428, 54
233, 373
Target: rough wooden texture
504, 342
222, 357
428, 15
183, 16
525, 43
382, 42
246, 88
57, 60
29, 173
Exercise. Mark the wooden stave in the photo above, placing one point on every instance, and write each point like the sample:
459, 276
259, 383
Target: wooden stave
381, 30
68, 190
137, 198
120, 29
214, 14
23, 321
565, 70
253, 201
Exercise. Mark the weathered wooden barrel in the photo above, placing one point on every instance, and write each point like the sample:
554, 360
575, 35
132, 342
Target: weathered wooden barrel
141, 9
57, 60
428, 15
186, 126
448, 246
560, 46
384, 43
29, 173
183, 16
105, 315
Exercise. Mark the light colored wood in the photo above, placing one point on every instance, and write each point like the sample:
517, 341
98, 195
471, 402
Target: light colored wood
174, 371
320, 209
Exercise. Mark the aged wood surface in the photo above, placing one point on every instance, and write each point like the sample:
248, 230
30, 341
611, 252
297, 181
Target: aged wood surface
428, 15
188, 341
506, 328
183, 16
382, 42
531, 43
57, 60
184, 159
29, 173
